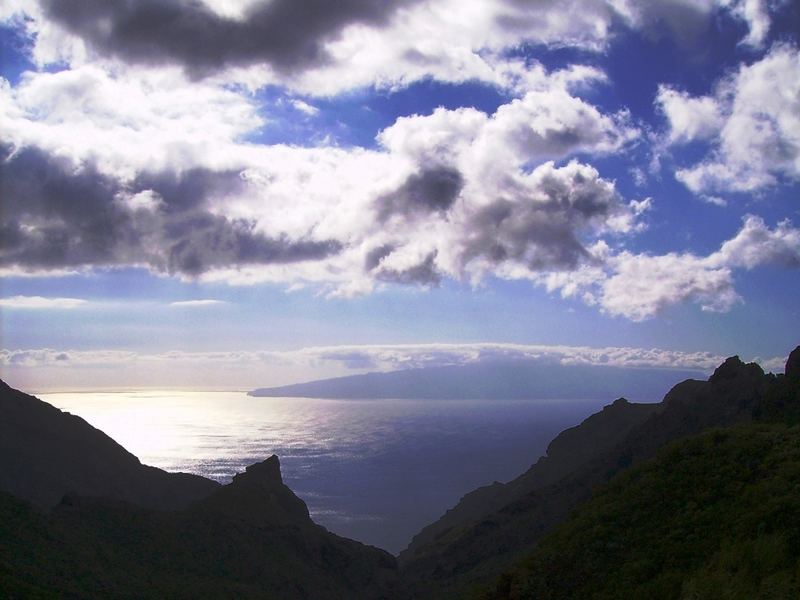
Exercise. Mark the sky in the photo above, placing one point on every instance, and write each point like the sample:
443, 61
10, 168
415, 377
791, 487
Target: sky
212, 193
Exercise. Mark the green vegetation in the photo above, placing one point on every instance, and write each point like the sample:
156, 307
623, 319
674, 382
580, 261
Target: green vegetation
714, 516
250, 539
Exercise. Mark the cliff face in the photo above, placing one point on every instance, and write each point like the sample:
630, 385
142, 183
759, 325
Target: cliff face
474, 551
568, 451
46, 453
792, 371
713, 516
716, 515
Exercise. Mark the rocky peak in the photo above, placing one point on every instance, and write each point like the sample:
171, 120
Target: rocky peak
260, 497
266, 472
793, 365
734, 368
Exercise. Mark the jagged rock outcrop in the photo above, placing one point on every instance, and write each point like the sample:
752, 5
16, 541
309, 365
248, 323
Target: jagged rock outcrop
46, 453
258, 497
792, 370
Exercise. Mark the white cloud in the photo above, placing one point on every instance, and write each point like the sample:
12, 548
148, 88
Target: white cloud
639, 286
41, 303
305, 107
95, 369
456, 193
756, 14
756, 244
197, 303
689, 118
128, 122
752, 120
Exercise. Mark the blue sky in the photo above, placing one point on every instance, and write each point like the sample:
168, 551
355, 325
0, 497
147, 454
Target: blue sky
242, 193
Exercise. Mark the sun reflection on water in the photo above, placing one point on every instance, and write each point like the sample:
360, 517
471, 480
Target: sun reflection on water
373, 470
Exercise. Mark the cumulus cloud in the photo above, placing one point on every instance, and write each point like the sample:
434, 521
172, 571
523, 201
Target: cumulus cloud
456, 193
41, 303
639, 286
144, 159
321, 48
756, 244
55, 217
689, 118
752, 122
452, 194
283, 33
128, 122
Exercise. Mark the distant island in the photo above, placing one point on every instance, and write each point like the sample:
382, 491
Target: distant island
507, 380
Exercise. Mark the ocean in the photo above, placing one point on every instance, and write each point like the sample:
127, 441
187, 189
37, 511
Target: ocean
372, 470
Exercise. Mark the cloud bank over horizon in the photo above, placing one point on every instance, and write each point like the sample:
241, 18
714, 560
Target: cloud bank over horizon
260, 368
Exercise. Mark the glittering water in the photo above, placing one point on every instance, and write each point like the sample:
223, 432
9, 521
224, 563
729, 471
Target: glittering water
373, 470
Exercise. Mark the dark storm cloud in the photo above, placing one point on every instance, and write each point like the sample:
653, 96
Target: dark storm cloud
541, 239
375, 255
423, 273
685, 22
288, 34
203, 241
432, 190
184, 190
543, 227
53, 217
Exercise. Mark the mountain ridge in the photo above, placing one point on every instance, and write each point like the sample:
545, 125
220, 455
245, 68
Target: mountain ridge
46, 453
566, 452
124, 530
475, 551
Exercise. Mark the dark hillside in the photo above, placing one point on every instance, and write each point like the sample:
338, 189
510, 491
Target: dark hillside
715, 516
46, 453
473, 553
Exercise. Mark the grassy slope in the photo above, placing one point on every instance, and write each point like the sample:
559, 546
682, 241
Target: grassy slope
713, 516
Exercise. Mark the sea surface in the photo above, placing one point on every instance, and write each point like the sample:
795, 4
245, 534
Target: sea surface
373, 470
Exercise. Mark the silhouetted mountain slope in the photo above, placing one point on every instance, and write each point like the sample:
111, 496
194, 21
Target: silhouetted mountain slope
252, 538
569, 450
46, 453
714, 516
638, 501
474, 552
506, 380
